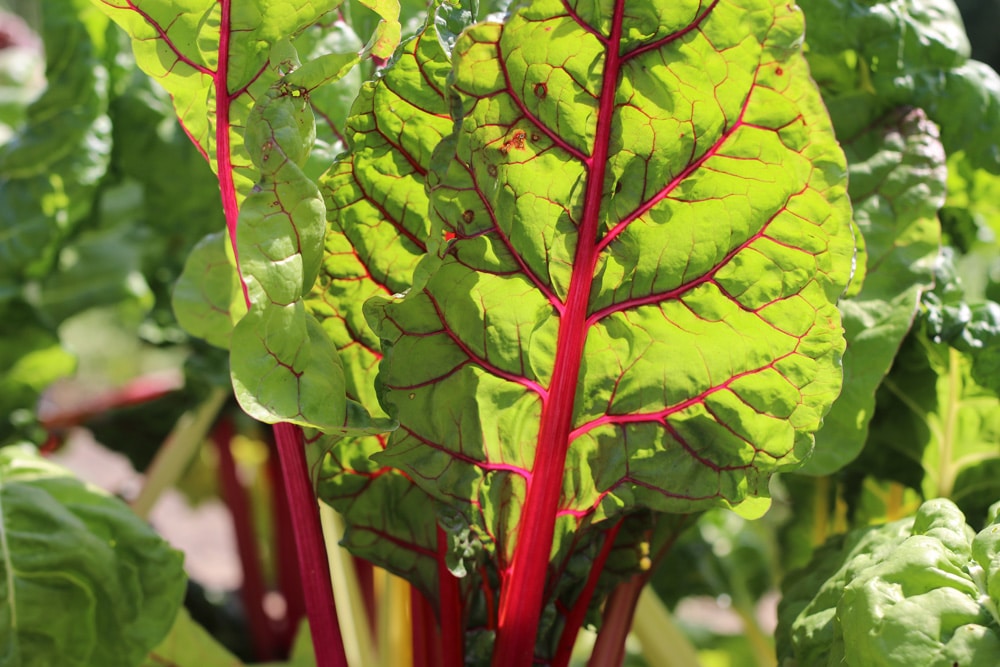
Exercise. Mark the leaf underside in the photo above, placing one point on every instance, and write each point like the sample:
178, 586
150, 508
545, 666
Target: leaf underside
650, 229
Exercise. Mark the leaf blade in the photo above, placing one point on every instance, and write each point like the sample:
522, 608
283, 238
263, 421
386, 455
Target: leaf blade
535, 327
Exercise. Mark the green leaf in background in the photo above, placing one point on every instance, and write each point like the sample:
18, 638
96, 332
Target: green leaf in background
920, 591
21, 75
84, 581
971, 214
897, 183
388, 31
50, 168
872, 57
936, 429
331, 102
179, 201
31, 359
101, 267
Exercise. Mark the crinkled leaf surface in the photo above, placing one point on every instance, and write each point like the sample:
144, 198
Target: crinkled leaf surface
378, 230
897, 183
918, 591
82, 579
650, 228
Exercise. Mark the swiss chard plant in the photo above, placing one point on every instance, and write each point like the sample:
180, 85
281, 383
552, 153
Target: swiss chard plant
528, 291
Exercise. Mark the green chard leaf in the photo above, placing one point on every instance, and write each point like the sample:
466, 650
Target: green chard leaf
637, 308
378, 229
920, 591
284, 368
875, 62
207, 296
897, 183
233, 72
83, 581
214, 58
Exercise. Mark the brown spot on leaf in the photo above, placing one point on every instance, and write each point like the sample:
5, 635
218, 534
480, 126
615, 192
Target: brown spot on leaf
516, 141
492, 170
468, 215
779, 71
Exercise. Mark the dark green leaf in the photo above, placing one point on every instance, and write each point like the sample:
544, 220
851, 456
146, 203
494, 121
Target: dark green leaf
897, 183
83, 581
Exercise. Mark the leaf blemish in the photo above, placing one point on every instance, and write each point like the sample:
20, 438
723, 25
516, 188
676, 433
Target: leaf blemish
517, 141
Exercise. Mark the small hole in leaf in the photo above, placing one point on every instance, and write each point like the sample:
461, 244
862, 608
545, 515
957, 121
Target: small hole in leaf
541, 90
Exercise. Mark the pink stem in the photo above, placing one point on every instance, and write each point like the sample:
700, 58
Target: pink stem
609, 649
578, 613
452, 621
426, 644
314, 571
253, 589
285, 556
